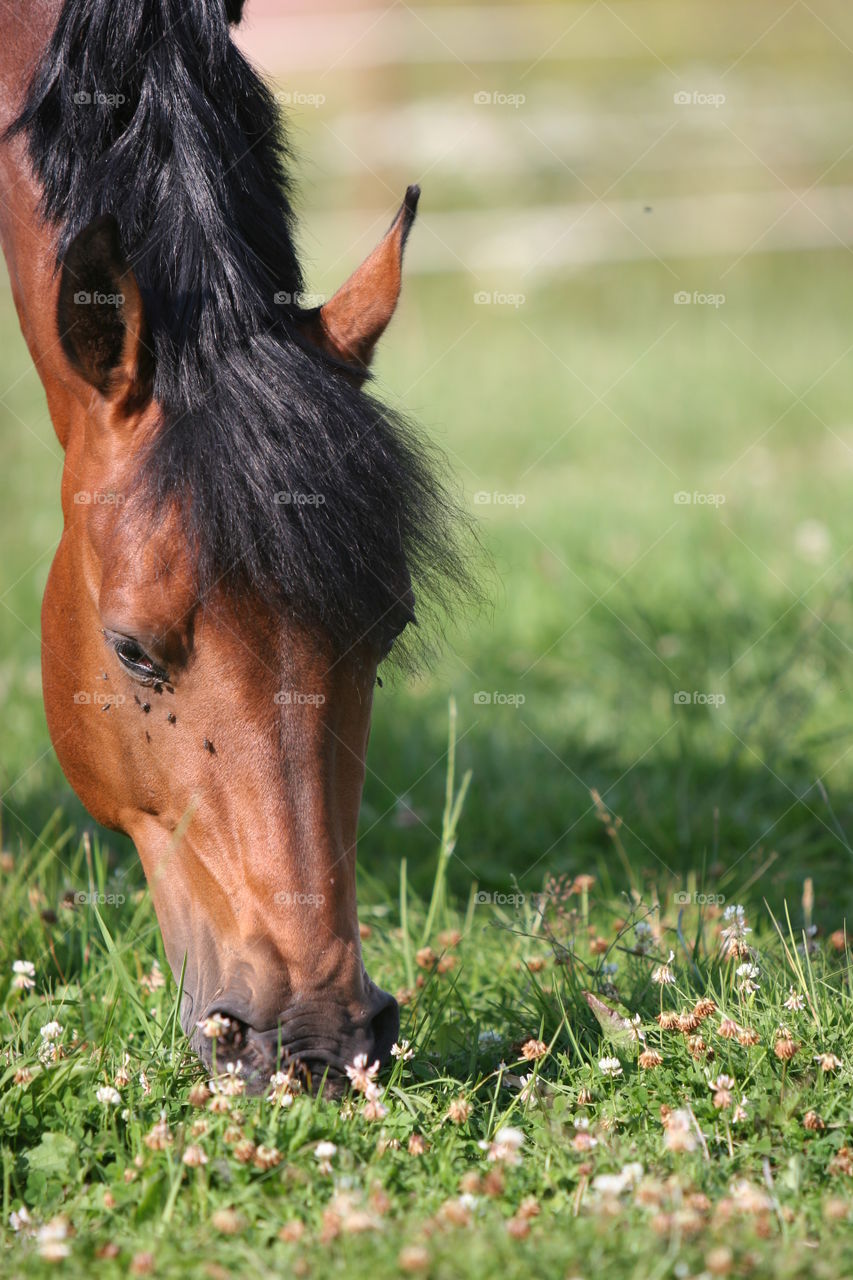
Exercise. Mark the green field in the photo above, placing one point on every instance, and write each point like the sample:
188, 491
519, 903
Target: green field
584, 413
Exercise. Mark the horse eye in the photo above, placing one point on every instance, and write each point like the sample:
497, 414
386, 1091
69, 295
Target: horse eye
135, 660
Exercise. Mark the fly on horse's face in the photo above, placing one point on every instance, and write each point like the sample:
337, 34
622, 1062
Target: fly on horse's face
209, 647
226, 737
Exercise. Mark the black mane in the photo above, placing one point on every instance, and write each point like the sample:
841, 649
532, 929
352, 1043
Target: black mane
291, 482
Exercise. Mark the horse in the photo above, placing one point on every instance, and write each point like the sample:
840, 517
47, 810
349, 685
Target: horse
245, 525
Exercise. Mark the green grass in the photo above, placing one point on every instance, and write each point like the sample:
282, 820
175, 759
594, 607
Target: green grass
735, 1183
597, 401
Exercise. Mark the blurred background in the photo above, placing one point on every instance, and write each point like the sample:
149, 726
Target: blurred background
628, 323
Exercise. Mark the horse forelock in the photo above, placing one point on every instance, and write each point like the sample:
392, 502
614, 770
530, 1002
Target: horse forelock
291, 482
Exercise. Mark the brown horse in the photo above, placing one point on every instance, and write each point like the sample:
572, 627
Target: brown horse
242, 520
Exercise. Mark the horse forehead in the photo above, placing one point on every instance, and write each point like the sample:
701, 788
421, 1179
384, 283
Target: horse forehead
148, 589
143, 567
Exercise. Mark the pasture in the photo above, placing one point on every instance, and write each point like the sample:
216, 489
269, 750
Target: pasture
628, 324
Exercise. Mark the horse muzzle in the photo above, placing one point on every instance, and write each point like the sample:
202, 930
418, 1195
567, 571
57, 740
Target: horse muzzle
314, 1039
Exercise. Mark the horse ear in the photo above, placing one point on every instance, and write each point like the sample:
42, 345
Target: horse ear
352, 322
101, 316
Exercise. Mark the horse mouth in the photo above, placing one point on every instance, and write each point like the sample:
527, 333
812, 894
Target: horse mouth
259, 1069
299, 1055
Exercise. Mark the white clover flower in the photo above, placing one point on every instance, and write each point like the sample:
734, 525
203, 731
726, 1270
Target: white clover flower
736, 930
506, 1145
795, 1001
610, 1066
214, 1026
52, 1240
361, 1076
532, 1089
750, 1199
283, 1088
122, 1077
50, 1050
25, 972
613, 1184
374, 1108
634, 1026
195, 1156
747, 971
663, 974
56, 1229
20, 1220
402, 1051
679, 1135
230, 1084
324, 1153
109, 1096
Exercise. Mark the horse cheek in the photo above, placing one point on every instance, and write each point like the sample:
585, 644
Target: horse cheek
78, 702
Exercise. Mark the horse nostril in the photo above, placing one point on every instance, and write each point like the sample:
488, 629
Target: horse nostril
384, 1026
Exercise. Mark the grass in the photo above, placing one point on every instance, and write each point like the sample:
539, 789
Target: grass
596, 401
724, 1158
